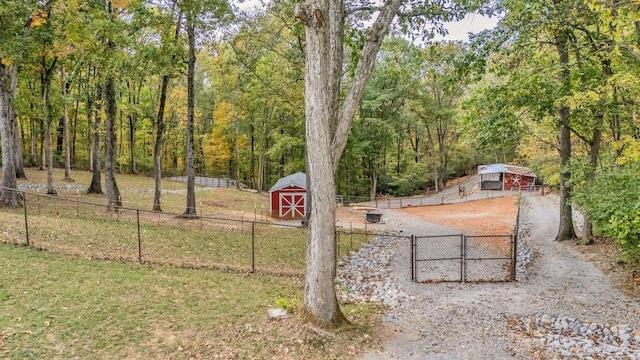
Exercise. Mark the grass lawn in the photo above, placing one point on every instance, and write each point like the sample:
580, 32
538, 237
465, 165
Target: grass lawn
137, 193
74, 224
54, 306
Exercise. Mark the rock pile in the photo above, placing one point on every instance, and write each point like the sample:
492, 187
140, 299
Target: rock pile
524, 257
575, 339
526, 253
364, 276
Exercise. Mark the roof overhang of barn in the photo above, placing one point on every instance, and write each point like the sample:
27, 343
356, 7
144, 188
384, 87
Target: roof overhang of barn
298, 179
503, 168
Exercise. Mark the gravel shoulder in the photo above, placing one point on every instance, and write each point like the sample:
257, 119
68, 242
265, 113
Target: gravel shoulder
509, 320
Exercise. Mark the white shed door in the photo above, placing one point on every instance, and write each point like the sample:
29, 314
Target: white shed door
292, 205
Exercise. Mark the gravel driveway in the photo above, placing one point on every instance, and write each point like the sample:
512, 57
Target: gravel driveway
565, 308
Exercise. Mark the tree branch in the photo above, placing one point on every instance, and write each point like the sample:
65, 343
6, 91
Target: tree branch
370, 9
374, 37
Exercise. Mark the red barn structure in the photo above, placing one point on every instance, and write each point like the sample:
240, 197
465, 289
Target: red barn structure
288, 197
506, 177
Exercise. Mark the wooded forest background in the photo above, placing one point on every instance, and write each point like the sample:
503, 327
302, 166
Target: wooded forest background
91, 85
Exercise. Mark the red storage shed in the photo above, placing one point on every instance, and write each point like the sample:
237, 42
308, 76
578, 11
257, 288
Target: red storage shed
288, 197
506, 177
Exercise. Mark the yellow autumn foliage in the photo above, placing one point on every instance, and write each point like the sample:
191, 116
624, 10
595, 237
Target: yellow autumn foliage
38, 18
630, 150
120, 4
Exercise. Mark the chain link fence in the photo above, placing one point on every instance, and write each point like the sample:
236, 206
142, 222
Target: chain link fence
95, 231
463, 258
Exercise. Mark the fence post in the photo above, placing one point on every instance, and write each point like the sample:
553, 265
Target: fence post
26, 222
463, 260
201, 214
413, 259
514, 256
336, 248
139, 240
253, 247
351, 236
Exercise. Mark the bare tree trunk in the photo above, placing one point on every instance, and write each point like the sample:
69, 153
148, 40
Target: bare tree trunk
263, 149
17, 140
236, 136
96, 186
43, 148
32, 141
190, 211
157, 148
320, 18
565, 230
46, 102
374, 185
133, 119
8, 197
65, 119
111, 110
320, 296
594, 151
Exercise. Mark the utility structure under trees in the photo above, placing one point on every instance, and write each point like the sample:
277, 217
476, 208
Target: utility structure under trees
328, 123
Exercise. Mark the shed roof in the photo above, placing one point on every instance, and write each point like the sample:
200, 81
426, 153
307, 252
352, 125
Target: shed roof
503, 168
297, 179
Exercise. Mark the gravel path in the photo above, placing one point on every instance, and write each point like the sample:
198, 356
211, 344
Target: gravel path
563, 306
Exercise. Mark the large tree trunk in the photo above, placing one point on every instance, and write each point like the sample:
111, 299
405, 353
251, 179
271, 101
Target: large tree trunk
565, 230
320, 296
190, 211
327, 144
8, 197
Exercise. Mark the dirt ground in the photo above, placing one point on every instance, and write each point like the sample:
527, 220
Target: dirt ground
479, 217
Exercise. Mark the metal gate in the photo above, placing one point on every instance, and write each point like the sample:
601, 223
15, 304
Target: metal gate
463, 258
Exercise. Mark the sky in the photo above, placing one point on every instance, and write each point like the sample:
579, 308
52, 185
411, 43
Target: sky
458, 30
473, 23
